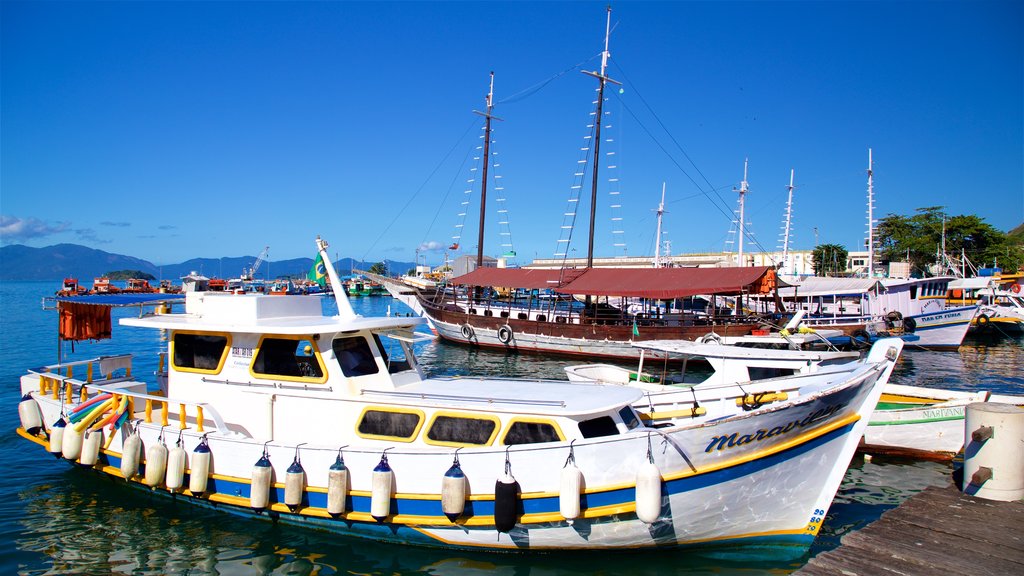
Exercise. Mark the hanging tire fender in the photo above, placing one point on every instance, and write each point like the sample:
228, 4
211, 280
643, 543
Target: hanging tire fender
505, 334
467, 332
983, 319
909, 325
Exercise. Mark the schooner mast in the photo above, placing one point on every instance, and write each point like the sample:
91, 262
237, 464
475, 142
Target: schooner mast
603, 79
487, 160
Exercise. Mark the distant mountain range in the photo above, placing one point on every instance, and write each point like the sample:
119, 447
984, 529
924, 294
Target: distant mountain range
19, 262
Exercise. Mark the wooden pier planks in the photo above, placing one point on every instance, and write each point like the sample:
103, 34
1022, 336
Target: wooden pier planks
938, 531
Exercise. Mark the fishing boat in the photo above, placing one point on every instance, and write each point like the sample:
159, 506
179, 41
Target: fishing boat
265, 407
911, 421
1001, 306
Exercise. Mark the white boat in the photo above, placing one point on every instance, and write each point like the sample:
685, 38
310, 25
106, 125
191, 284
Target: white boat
328, 421
909, 421
912, 309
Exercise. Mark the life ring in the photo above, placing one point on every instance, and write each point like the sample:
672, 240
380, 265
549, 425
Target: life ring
467, 332
860, 338
1015, 288
983, 320
909, 325
711, 338
505, 334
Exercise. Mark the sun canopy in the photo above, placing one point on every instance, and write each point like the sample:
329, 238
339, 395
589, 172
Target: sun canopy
526, 278
660, 283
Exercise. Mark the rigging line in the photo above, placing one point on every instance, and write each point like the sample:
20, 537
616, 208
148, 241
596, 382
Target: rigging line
722, 210
531, 90
420, 189
440, 204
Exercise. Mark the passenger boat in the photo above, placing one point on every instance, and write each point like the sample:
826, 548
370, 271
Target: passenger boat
1001, 305
912, 421
913, 309
267, 408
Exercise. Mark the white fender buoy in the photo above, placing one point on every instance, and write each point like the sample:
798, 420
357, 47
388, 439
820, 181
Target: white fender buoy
177, 460
262, 476
294, 483
453, 491
91, 442
31, 415
156, 462
337, 487
131, 451
648, 493
71, 444
380, 489
570, 490
506, 500
198, 477
57, 437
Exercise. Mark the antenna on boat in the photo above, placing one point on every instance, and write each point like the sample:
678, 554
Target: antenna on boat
871, 218
487, 161
603, 79
344, 307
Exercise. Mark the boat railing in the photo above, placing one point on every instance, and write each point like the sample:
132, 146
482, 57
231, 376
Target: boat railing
55, 384
462, 398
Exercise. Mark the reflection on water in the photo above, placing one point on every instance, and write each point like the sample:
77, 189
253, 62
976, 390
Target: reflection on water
57, 521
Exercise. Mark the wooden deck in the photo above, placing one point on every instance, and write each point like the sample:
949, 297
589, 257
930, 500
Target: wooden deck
938, 531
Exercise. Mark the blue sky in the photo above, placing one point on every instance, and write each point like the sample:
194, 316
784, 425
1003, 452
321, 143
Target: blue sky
167, 131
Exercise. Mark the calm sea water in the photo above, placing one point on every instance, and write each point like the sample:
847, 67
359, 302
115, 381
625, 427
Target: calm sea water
55, 520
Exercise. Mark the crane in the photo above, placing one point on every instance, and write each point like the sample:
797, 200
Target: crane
251, 273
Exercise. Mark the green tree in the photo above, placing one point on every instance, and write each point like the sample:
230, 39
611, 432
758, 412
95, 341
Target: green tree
379, 268
918, 239
829, 259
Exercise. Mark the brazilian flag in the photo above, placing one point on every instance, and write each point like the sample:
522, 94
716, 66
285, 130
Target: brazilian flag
318, 273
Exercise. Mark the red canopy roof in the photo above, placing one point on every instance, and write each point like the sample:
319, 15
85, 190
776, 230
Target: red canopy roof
664, 283
527, 278
661, 283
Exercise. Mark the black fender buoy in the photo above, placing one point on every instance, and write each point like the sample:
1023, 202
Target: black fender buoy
467, 332
909, 325
505, 334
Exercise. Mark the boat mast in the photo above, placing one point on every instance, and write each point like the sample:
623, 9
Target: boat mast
603, 79
743, 193
871, 218
788, 222
657, 236
483, 181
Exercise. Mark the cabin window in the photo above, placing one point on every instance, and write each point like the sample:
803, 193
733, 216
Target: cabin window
199, 352
760, 373
461, 430
355, 356
600, 426
390, 425
288, 358
521, 432
394, 359
629, 417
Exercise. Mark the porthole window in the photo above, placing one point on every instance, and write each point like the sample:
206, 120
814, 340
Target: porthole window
199, 352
